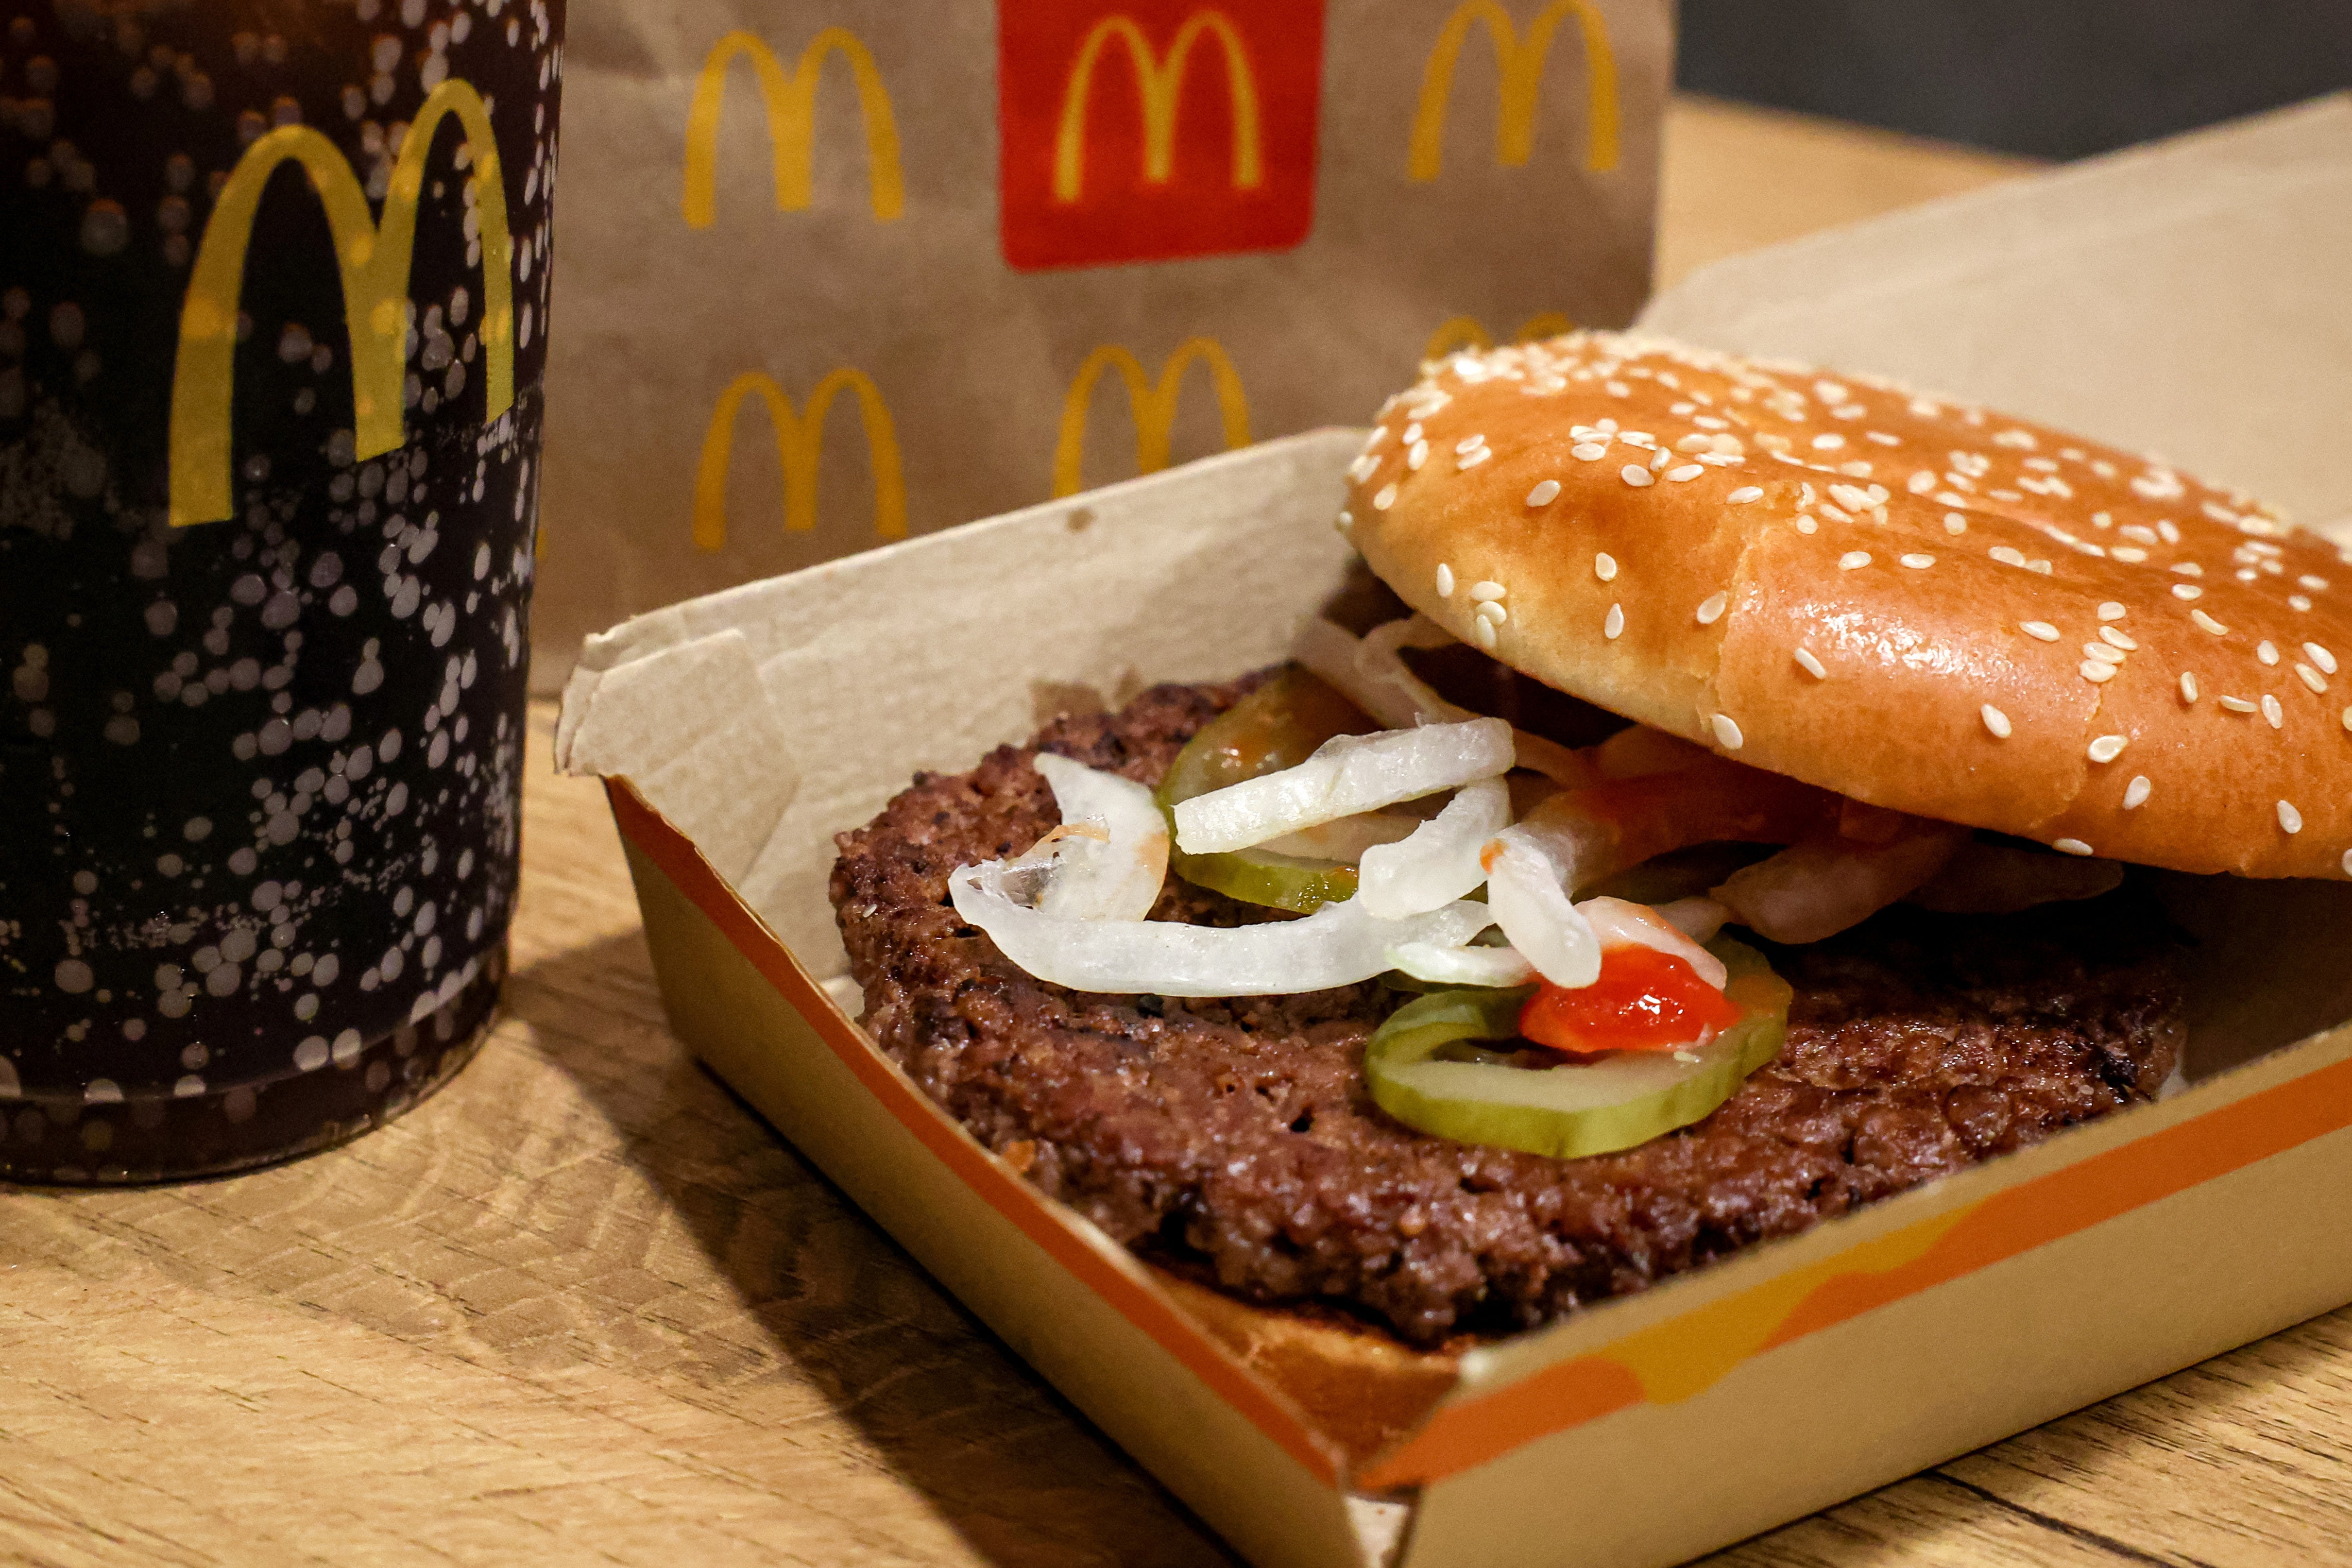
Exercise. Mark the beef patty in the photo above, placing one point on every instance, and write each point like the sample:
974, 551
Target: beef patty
1236, 1138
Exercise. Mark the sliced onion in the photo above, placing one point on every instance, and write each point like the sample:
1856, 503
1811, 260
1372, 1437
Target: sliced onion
1338, 944
1349, 838
1346, 774
1527, 888
1701, 920
1440, 862
1371, 672
1616, 922
1638, 751
1819, 887
1999, 879
1115, 876
1461, 965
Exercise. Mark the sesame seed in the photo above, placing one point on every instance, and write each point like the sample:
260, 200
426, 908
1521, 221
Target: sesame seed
2188, 687
1411, 433
1486, 589
1545, 493
1363, 467
1615, 624
1418, 456
1604, 566
2166, 532
1386, 498
1483, 631
1853, 559
2136, 792
2041, 566
2238, 705
1920, 483
2111, 611
2070, 846
1810, 664
2297, 602
2289, 818
1637, 475
2008, 554
1589, 450
1660, 458
1345, 523
1686, 472
1444, 581
2188, 569
1726, 733
2207, 623
1488, 610
2107, 747
1918, 562
2042, 629
2320, 657
1995, 719
2134, 530
2186, 591
2097, 673
1468, 444
1745, 494
2312, 582
2131, 552
1828, 443
2273, 711
1710, 609
2103, 653
1834, 514
2267, 651
2347, 862
2311, 677
2111, 636
1805, 525
2347, 718
1473, 459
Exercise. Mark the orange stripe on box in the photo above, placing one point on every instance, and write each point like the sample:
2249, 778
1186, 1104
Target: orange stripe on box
1461, 1437
675, 855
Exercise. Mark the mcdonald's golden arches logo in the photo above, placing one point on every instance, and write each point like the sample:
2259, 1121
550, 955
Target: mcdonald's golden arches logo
800, 448
1521, 59
373, 260
1458, 333
790, 104
1083, 179
1152, 404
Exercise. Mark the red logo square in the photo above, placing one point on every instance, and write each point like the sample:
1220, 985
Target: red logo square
1146, 130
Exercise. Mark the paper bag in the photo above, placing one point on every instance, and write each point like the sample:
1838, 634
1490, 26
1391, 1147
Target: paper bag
838, 275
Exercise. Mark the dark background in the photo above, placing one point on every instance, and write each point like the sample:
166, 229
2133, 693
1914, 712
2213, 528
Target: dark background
2051, 79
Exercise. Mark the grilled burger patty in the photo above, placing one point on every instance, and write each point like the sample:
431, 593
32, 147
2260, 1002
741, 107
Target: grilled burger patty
1236, 1138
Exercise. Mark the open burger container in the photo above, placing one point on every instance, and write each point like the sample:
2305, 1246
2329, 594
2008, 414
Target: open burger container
2187, 297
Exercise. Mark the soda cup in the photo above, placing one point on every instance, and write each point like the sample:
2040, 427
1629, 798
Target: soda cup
273, 323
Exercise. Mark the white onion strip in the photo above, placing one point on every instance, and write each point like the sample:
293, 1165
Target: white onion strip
1346, 774
1618, 923
1527, 888
1117, 877
1338, 944
1440, 862
1496, 966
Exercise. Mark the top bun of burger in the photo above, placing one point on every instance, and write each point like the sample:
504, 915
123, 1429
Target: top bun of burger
1916, 602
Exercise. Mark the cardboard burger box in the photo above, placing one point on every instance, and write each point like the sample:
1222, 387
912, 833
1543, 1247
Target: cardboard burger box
2186, 297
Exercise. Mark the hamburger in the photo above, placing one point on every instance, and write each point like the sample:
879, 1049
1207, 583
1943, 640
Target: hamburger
1731, 826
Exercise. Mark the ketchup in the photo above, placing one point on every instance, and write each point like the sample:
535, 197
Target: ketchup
1644, 1001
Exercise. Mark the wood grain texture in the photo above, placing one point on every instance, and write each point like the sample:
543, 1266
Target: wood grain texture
583, 1307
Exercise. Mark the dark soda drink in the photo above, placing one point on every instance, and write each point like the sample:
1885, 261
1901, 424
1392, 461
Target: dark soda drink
273, 318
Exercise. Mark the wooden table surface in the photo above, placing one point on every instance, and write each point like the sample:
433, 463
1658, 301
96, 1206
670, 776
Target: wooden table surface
583, 1307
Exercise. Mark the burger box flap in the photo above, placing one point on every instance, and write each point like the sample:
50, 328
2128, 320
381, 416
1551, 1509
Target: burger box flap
2188, 297
1643, 1430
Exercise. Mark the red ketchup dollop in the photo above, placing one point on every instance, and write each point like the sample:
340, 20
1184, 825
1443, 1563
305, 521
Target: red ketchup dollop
1644, 1001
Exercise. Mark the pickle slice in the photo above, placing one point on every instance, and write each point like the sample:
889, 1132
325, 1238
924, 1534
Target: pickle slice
1277, 726
1624, 1100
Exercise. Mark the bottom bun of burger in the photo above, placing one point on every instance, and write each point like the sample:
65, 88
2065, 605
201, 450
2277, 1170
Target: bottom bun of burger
1234, 1142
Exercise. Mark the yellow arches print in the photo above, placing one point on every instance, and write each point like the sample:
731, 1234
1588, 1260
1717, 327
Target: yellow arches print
790, 104
800, 445
1522, 63
374, 261
1162, 84
1153, 405
1459, 333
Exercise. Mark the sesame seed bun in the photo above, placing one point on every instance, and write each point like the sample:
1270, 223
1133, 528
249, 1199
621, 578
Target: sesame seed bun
1916, 602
